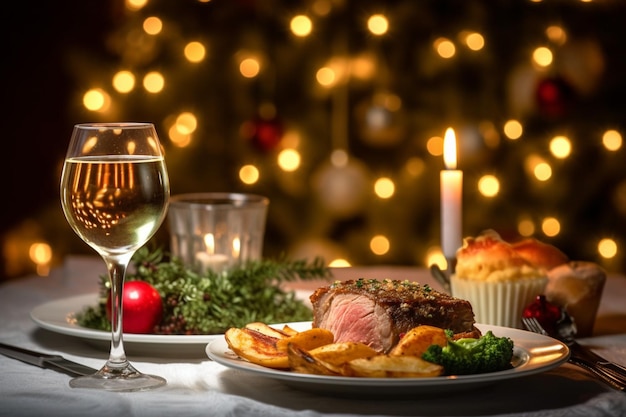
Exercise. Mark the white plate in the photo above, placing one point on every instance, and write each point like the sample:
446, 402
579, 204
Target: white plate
59, 316
533, 353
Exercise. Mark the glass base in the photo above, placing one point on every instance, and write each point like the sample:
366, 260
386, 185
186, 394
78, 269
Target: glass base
126, 378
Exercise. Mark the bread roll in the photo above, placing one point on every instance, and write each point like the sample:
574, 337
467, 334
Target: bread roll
577, 286
540, 254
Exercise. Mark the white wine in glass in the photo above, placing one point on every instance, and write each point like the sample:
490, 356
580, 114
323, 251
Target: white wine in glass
115, 192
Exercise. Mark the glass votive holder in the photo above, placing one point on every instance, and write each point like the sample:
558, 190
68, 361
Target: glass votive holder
217, 230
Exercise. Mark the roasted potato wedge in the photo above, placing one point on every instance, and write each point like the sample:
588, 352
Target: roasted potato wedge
301, 361
308, 339
267, 330
313, 351
385, 366
338, 354
256, 347
418, 339
289, 330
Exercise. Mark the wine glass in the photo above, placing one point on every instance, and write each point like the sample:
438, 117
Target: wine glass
115, 193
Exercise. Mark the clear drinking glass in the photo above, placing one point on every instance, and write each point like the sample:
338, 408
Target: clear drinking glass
217, 230
115, 193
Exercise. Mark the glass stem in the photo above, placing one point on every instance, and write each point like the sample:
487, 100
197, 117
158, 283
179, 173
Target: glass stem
117, 266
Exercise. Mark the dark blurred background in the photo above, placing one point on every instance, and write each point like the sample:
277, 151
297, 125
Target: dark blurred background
366, 185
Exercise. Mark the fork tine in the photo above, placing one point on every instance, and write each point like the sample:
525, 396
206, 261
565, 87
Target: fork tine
537, 326
528, 324
532, 324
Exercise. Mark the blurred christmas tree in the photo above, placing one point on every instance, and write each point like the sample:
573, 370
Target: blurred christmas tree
336, 109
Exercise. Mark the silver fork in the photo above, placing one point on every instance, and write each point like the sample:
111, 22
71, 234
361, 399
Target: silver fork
611, 373
566, 332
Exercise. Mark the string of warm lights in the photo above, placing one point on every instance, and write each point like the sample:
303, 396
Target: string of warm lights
335, 73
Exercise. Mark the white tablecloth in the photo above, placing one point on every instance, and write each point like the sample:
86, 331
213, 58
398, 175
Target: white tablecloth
199, 387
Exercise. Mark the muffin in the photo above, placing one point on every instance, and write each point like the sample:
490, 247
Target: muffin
496, 280
577, 286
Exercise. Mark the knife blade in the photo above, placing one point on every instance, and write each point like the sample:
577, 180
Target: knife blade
45, 360
584, 353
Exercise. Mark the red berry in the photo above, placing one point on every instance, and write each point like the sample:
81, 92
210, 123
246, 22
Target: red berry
143, 308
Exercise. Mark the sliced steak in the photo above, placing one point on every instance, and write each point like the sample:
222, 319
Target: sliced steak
378, 312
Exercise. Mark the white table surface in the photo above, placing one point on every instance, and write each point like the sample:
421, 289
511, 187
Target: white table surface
198, 386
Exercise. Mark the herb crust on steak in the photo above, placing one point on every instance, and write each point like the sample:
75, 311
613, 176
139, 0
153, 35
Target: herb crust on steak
378, 312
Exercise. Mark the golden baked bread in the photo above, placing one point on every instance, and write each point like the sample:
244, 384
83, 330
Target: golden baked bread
495, 279
577, 286
488, 257
539, 253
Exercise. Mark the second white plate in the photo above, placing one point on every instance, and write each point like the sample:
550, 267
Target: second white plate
59, 316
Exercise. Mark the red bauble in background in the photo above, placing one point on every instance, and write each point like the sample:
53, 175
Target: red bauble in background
554, 96
264, 134
143, 307
546, 313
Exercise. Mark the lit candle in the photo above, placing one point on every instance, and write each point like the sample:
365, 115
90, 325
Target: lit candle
214, 261
209, 259
451, 199
236, 247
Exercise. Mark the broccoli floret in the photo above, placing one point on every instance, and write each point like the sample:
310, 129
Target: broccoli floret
488, 353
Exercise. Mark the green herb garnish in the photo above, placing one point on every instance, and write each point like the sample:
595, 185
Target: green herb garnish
211, 302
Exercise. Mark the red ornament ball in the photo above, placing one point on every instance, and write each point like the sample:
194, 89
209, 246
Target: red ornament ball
554, 96
265, 134
546, 313
143, 307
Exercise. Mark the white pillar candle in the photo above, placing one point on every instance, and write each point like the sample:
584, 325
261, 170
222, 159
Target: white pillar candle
209, 259
451, 181
213, 261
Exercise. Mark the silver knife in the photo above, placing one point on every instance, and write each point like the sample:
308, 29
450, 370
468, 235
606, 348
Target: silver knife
583, 353
44, 360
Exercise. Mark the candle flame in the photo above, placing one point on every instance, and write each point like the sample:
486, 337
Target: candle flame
449, 149
236, 247
209, 242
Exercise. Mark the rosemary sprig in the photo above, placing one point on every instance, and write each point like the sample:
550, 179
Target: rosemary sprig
212, 302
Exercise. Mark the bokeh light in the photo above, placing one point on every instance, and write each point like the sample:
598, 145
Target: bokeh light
444, 48
489, 185
560, 147
550, 226
556, 34
607, 248
513, 129
153, 82
379, 245
542, 56
124, 81
194, 52
384, 187
186, 123
474, 40
378, 24
289, 160
542, 171
152, 25
612, 140
249, 174
249, 67
301, 25
526, 227
96, 100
